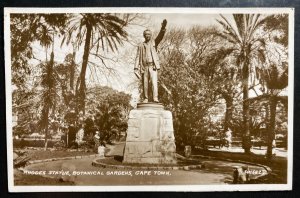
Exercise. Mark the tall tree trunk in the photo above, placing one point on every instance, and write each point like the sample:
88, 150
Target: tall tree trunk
246, 112
82, 87
46, 127
271, 128
267, 107
72, 72
228, 113
50, 89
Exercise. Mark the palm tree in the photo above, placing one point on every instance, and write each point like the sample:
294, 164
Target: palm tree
44, 35
275, 80
95, 30
247, 47
276, 76
47, 27
48, 96
26, 29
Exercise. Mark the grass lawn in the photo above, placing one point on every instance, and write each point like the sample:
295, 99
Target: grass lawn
41, 154
22, 179
277, 164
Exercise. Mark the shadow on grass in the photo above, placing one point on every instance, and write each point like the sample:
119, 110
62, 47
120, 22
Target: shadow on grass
277, 164
118, 158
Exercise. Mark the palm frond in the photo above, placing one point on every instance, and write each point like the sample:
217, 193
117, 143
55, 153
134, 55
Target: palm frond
230, 28
230, 32
109, 44
240, 23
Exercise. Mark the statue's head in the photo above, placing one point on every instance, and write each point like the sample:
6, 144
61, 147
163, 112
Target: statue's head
147, 35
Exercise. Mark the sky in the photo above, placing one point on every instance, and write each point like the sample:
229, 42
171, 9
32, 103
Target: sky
185, 20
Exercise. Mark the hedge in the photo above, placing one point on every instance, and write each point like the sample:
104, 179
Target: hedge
19, 143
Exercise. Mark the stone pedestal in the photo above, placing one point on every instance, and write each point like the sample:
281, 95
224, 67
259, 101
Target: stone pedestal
150, 136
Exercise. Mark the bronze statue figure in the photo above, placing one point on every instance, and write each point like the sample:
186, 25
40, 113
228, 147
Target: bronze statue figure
147, 62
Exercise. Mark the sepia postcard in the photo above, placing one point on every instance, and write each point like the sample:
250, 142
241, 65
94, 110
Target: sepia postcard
149, 99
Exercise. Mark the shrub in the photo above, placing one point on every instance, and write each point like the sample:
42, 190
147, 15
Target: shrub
21, 143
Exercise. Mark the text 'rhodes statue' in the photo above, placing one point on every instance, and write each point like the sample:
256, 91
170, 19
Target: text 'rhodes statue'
150, 135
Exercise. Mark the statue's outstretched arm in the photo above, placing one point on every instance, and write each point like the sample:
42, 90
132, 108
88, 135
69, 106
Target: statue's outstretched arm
161, 33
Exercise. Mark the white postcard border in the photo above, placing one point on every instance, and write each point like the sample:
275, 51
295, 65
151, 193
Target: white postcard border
244, 187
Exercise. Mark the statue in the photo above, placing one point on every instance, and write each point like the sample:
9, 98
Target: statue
150, 135
147, 62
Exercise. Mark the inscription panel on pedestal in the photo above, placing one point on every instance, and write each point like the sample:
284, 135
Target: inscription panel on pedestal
150, 127
150, 137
